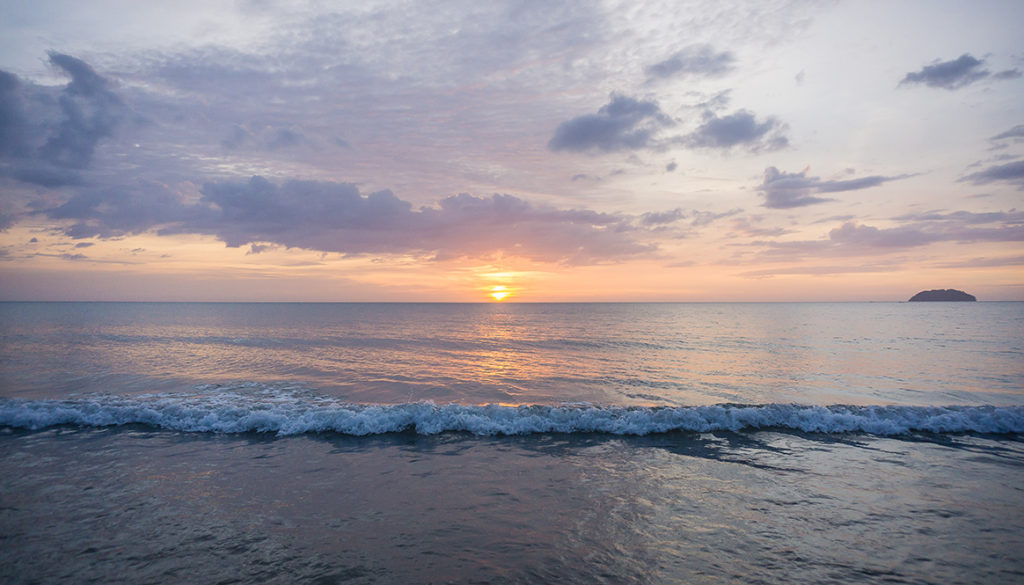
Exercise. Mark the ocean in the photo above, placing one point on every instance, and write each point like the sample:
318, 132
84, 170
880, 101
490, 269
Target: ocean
511, 443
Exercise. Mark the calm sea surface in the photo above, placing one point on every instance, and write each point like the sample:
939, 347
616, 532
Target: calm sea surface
511, 443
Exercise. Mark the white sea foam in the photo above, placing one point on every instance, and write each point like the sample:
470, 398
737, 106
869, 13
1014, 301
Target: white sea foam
287, 412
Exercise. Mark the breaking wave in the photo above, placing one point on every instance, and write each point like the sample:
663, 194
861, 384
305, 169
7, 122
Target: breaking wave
291, 413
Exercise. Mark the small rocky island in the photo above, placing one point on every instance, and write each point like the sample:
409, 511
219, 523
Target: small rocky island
948, 294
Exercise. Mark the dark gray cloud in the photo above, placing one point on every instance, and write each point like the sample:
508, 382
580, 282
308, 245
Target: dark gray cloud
116, 211
785, 191
954, 74
1015, 132
624, 123
782, 190
336, 217
696, 60
671, 166
90, 111
1008, 74
1012, 172
47, 136
12, 123
739, 129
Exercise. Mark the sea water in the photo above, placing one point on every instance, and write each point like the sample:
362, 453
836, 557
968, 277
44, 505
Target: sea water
511, 443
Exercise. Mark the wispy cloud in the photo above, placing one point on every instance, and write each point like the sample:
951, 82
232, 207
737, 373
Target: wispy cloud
695, 60
827, 270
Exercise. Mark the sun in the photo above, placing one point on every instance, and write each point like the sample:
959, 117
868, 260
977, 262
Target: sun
499, 292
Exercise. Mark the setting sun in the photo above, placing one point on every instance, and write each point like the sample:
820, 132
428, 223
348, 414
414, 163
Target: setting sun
500, 292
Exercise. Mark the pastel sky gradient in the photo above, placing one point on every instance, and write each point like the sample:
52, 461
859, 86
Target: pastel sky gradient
431, 151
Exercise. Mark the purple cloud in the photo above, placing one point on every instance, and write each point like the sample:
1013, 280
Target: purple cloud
954, 74
47, 139
856, 239
90, 111
696, 60
624, 123
336, 217
783, 190
1012, 172
739, 129
1015, 132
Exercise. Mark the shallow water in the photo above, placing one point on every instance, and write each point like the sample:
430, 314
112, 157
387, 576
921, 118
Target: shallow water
133, 505
717, 443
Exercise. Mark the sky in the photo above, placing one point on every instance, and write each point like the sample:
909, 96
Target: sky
293, 150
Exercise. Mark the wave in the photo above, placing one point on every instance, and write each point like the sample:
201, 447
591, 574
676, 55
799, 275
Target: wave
291, 413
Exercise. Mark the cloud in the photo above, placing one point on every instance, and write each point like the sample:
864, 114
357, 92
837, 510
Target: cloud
336, 217
821, 270
741, 129
12, 124
116, 211
954, 74
90, 111
1012, 217
986, 262
783, 190
1015, 132
662, 217
856, 239
47, 138
284, 138
1012, 172
852, 234
624, 123
695, 60
697, 218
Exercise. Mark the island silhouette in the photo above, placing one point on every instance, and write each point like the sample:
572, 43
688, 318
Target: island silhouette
948, 294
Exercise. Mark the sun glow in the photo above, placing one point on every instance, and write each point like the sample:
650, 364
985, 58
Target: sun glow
500, 292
